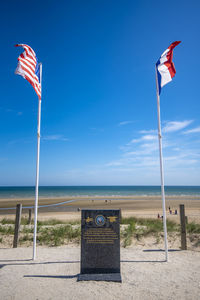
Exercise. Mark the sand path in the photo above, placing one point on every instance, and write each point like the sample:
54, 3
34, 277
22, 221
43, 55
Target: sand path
54, 275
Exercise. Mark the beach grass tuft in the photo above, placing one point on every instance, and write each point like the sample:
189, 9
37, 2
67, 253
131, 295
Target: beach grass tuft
6, 230
6, 221
56, 236
52, 222
139, 228
193, 228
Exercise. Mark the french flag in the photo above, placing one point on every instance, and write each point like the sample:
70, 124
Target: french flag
165, 67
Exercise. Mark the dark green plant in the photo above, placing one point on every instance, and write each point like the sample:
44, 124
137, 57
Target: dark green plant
127, 234
6, 229
193, 227
6, 221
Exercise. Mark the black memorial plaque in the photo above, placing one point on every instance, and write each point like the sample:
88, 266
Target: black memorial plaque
100, 245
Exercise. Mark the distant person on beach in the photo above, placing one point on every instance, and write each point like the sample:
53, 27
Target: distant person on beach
158, 216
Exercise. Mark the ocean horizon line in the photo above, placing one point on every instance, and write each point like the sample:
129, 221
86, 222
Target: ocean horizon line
95, 191
114, 185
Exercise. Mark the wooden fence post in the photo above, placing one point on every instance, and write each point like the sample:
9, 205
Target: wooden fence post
17, 224
29, 216
183, 227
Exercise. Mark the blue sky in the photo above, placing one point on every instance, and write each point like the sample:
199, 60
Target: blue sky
99, 111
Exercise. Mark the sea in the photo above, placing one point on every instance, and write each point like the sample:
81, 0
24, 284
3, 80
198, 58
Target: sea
95, 191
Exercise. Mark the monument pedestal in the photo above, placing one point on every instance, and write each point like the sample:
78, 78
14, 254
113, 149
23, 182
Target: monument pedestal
100, 245
116, 277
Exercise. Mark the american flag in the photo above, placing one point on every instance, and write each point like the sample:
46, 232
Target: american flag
29, 68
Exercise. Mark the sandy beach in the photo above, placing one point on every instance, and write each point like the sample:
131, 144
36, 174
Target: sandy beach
145, 274
139, 206
53, 275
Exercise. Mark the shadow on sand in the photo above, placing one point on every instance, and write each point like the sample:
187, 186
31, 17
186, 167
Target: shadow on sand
34, 263
52, 276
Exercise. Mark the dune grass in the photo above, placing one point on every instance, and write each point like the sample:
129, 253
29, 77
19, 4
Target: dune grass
139, 227
193, 228
56, 236
55, 232
6, 230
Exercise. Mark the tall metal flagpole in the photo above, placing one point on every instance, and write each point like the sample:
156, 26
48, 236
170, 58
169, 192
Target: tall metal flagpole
161, 170
37, 170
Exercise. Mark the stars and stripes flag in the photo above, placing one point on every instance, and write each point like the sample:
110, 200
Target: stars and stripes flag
29, 68
165, 67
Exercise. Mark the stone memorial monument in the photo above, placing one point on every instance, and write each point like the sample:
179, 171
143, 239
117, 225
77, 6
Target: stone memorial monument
100, 245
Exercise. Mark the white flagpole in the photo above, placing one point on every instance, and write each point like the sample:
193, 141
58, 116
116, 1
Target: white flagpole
37, 171
161, 170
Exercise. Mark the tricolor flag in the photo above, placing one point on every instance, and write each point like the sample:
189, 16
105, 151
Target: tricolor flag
29, 68
165, 71
165, 67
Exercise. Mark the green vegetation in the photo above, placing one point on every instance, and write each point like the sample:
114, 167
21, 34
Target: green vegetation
54, 232
139, 227
193, 228
6, 230
52, 222
6, 221
56, 236
127, 234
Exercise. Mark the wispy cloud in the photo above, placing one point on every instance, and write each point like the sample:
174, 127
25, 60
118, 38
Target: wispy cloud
125, 123
194, 130
144, 149
142, 153
176, 125
55, 137
148, 131
144, 138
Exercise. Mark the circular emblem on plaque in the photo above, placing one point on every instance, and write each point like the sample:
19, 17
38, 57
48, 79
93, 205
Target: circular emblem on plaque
100, 220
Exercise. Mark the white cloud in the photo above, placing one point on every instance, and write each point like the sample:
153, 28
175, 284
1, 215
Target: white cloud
141, 156
55, 137
125, 123
194, 130
147, 137
145, 149
176, 125
148, 131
